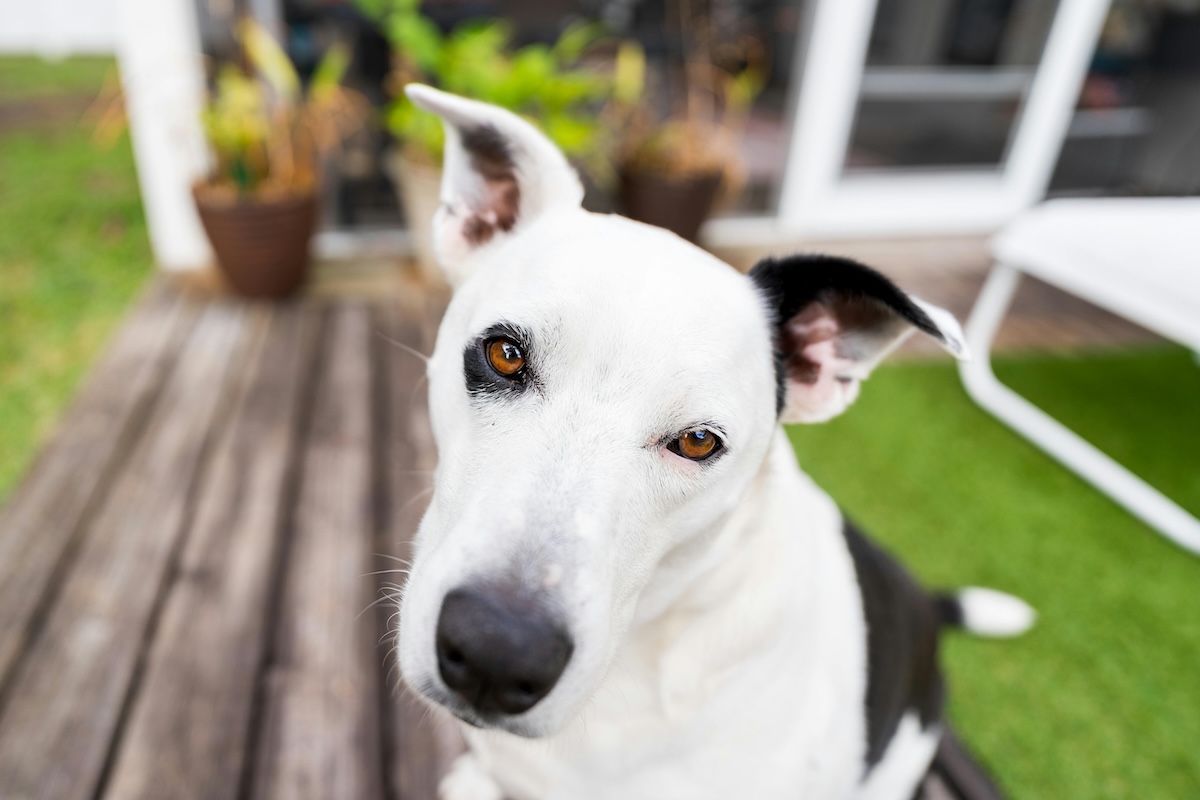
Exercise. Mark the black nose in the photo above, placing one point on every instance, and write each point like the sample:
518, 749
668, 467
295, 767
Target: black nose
501, 651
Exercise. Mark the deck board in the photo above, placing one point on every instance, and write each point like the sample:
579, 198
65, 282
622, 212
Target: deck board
66, 700
41, 522
321, 735
189, 727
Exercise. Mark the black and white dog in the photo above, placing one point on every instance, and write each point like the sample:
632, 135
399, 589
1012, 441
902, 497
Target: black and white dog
624, 584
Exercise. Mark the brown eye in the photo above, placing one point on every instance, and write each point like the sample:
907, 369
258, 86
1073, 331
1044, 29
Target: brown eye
697, 444
505, 356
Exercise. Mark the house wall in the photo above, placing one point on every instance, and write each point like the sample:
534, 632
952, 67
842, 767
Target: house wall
56, 28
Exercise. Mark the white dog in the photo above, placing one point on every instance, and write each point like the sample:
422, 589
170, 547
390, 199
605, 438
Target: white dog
624, 584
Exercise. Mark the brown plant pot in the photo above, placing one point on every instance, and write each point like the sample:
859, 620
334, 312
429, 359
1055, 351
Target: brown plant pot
261, 245
679, 205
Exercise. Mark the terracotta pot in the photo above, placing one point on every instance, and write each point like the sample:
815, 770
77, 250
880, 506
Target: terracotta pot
419, 188
680, 206
261, 245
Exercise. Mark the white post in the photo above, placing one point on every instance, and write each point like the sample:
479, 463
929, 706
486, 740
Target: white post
1043, 123
824, 112
162, 73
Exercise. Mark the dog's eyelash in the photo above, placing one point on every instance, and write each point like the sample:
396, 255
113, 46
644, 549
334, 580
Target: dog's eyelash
479, 374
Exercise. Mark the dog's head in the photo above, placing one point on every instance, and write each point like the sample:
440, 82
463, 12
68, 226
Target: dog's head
602, 394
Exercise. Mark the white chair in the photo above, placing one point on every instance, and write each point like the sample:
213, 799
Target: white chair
1139, 259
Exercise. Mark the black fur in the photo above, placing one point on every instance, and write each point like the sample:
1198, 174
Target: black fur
790, 284
481, 379
902, 645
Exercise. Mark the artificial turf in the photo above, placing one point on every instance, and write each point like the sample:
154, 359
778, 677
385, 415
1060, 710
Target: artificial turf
73, 248
1102, 699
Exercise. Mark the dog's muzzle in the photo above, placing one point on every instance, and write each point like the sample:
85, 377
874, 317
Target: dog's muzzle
500, 650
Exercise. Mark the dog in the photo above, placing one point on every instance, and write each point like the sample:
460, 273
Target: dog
624, 585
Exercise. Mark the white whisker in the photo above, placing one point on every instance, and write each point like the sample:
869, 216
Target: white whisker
402, 346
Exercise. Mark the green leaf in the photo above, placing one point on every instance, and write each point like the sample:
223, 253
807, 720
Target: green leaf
577, 37
417, 130
329, 73
575, 135
373, 9
629, 73
269, 60
416, 38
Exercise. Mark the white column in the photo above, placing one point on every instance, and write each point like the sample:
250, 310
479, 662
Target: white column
158, 50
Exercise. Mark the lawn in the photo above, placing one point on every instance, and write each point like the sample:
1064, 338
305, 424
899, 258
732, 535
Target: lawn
73, 246
1102, 699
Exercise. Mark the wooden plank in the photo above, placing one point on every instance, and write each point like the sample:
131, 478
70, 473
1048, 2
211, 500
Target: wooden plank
70, 688
320, 737
421, 744
190, 724
40, 524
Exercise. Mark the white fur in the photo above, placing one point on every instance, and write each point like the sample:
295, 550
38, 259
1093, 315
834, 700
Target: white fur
907, 760
468, 780
987, 612
718, 628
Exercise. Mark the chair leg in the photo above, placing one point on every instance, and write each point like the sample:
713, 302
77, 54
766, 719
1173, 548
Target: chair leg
1138, 497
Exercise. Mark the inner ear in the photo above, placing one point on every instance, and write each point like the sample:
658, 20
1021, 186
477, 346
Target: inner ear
834, 321
496, 203
858, 330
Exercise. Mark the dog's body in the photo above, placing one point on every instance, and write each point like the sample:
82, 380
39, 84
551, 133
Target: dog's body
623, 572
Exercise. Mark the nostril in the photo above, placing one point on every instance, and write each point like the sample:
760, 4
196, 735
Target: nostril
499, 652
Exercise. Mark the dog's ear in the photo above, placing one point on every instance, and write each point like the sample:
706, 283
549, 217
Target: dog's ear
498, 174
834, 320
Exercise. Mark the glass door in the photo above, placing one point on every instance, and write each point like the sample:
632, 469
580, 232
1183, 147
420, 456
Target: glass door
932, 116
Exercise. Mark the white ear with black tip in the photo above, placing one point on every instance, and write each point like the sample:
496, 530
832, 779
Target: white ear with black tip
834, 321
499, 173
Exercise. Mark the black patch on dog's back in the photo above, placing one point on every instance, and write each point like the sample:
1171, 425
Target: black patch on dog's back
902, 644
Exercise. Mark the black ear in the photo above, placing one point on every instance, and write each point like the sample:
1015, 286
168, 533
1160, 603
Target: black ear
834, 321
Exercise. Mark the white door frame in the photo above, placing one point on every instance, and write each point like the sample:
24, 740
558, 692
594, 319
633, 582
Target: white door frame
818, 201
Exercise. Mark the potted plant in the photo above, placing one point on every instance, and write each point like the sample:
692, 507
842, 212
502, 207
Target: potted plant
267, 134
544, 83
672, 171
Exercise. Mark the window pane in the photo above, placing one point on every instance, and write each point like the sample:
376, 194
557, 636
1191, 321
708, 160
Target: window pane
944, 82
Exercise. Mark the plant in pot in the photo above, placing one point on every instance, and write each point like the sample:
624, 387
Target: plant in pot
547, 84
267, 134
672, 171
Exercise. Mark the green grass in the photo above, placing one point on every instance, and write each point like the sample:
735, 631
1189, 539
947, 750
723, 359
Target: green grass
73, 253
30, 77
1102, 699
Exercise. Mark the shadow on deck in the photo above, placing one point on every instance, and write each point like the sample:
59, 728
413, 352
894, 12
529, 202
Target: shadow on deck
187, 576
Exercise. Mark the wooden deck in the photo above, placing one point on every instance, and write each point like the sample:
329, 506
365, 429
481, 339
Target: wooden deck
188, 572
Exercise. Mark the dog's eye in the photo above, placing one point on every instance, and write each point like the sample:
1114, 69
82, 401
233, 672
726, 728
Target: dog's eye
505, 356
697, 445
